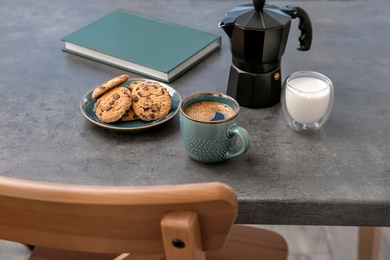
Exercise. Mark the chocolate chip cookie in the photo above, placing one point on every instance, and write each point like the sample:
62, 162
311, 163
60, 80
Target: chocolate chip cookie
106, 86
129, 115
135, 84
113, 104
151, 101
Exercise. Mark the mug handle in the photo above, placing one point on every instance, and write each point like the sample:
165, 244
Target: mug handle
243, 134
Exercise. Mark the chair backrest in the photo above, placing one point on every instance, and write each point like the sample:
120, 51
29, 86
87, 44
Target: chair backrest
118, 219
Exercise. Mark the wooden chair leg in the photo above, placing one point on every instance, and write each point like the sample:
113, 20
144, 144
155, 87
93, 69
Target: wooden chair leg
369, 241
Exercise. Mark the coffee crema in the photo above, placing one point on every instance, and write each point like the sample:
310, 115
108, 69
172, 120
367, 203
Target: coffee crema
208, 111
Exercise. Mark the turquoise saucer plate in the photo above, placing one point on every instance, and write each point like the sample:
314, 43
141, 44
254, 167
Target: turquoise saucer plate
87, 103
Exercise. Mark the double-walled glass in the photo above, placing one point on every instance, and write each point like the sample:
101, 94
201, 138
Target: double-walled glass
307, 100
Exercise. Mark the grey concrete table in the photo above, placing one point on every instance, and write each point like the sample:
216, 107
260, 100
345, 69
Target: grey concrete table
337, 176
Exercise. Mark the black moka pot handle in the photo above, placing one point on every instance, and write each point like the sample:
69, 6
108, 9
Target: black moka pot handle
304, 25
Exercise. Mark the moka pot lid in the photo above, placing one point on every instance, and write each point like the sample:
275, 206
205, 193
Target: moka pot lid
258, 16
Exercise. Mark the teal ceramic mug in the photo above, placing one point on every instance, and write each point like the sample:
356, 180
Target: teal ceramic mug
212, 139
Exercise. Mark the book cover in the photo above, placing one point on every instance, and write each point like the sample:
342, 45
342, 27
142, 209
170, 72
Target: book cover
158, 49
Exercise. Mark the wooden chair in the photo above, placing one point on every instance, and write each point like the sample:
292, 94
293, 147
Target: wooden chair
185, 222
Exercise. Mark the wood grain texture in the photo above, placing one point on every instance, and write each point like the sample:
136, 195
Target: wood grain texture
341, 241
181, 235
109, 219
369, 242
66, 221
250, 243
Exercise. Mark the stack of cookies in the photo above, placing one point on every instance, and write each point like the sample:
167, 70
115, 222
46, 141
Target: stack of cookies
144, 100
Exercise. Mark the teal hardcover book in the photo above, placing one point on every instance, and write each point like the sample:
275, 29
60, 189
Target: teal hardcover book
141, 44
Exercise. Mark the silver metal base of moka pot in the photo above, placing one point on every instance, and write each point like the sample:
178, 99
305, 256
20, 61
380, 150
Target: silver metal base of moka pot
254, 90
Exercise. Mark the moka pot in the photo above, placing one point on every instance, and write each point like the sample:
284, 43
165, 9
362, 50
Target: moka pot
258, 35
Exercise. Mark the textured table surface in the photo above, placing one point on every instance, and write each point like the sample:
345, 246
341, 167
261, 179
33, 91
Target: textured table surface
337, 176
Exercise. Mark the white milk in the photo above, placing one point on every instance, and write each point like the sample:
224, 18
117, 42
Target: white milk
307, 99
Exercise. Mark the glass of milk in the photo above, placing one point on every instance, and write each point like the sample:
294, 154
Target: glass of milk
307, 100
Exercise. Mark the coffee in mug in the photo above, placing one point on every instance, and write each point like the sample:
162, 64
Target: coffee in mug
209, 111
209, 127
